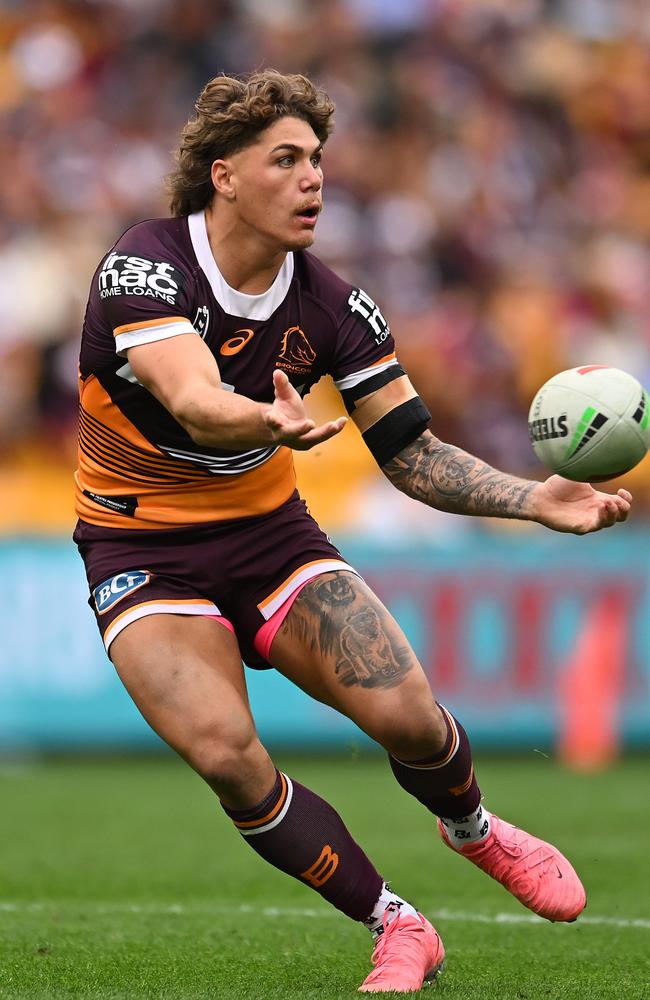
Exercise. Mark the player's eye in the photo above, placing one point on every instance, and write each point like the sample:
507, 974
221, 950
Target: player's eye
316, 159
286, 161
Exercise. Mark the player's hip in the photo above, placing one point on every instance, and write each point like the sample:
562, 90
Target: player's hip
244, 571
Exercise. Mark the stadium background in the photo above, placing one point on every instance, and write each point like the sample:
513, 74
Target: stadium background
488, 184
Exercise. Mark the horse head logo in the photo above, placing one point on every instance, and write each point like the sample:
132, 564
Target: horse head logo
296, 350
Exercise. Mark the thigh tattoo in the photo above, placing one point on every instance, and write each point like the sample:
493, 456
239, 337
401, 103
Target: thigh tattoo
335, 614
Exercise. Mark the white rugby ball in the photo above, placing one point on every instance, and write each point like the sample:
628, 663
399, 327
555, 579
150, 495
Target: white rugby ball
590, 423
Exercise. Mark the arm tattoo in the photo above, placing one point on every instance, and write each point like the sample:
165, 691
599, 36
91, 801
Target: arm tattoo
447, 478
338, 616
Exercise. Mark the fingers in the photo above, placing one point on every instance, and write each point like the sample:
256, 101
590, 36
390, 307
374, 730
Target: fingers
282, 385
302, 434
319, 434
285, 430
609, 512
622, 501
288, 428
615, 507
579, 508
623, 507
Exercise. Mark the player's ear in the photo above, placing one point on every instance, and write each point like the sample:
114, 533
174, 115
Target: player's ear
221, 174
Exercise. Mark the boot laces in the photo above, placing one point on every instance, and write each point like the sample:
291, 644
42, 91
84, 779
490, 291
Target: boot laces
514, 843
409, 930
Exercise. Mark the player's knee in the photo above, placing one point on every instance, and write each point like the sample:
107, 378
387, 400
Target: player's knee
412, 732
228, 764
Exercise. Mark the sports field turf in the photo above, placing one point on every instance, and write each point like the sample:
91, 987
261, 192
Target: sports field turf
122, 878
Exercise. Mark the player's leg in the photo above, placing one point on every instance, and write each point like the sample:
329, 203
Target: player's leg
167, 630
186, 677
341, 645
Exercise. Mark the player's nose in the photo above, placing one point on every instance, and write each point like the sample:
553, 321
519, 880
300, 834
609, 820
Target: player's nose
312, 179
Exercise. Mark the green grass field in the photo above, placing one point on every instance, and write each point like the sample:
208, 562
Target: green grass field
122, 878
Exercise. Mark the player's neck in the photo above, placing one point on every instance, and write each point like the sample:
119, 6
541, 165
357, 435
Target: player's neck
245, 262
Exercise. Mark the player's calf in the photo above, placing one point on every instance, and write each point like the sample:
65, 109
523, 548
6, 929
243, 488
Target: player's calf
302, 835
444, 781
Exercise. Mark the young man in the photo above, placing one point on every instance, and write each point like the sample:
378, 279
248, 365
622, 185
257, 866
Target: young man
203, 332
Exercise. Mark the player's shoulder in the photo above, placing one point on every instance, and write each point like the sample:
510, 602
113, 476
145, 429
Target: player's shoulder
348, 305
165, 239
151, 262
151, 259
321, 282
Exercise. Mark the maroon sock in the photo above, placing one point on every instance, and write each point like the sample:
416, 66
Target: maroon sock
445, 784
299, 833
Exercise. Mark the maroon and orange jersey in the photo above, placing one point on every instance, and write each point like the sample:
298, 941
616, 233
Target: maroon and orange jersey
138, 467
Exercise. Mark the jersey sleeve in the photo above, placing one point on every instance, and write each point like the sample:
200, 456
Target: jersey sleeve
365, 356
143, 291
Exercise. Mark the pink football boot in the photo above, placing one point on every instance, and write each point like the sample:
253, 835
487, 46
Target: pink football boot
533, 871
408, 954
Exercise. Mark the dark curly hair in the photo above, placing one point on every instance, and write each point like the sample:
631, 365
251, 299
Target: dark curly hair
230, 114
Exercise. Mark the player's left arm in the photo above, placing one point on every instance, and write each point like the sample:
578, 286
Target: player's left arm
393, 420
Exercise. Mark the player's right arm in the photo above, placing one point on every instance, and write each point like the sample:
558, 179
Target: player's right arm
183, 375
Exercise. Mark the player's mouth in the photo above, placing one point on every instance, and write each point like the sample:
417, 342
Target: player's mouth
308, 215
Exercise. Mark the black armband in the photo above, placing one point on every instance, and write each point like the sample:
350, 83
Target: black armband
361, 389
399, 427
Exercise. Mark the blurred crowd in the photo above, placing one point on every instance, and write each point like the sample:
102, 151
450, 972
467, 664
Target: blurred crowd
488, 183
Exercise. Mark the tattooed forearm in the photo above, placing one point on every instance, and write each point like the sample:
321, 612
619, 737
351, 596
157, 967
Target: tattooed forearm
447, 478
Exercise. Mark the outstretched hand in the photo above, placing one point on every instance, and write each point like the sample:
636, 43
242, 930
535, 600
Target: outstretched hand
577, 507
288, 421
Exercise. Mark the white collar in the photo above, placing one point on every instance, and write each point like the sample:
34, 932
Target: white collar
236, 303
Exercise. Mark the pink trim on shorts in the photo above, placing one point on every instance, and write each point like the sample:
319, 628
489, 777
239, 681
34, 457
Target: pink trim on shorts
224, 621
269, 629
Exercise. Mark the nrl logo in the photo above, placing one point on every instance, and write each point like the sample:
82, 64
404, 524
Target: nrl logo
201, 321
296, 353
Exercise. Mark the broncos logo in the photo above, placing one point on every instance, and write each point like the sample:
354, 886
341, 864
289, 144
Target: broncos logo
295, 350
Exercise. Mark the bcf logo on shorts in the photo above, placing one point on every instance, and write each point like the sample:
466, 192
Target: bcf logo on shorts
108, 593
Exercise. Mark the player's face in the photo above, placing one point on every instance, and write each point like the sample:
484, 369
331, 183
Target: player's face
278, 184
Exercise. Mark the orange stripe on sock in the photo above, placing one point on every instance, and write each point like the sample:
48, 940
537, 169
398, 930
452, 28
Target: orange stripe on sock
249, 824
461, 789
426, 766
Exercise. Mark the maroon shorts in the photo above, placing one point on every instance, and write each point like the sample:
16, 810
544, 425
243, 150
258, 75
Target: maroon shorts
245, 572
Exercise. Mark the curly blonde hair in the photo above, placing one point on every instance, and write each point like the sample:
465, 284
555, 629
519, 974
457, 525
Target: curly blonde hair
230, 114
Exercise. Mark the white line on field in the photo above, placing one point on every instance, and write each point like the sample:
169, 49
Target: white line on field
183, 909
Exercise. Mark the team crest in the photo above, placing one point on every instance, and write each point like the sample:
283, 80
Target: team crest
296, 353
